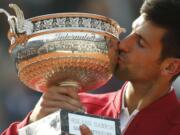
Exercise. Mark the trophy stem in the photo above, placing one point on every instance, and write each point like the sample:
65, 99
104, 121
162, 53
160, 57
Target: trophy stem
73, 84
70, 83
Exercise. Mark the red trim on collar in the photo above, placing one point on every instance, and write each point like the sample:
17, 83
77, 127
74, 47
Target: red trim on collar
118, 99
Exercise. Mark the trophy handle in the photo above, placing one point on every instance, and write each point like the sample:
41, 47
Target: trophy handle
18, 24
19, 18
11, 20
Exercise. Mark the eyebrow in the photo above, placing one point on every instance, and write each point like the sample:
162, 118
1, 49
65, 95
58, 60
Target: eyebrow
134, 28
145, 40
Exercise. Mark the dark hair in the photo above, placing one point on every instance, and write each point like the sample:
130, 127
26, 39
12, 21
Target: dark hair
166, 14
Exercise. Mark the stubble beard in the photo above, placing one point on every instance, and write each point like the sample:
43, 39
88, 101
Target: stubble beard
121, 74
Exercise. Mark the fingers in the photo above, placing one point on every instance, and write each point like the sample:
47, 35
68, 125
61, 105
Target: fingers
54, 99
70, 91
62, 102
85, 130
63, 97
58, 99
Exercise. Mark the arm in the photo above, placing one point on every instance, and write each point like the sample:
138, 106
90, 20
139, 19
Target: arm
55, 98
50, 101
13, 128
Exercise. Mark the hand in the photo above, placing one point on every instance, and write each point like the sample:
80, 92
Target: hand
85, 130
57, 97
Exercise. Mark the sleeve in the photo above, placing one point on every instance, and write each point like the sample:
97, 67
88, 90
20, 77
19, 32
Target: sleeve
175, 130
175, 121
100, 104
13, 128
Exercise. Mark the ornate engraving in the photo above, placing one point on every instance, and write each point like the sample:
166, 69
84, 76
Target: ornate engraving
48, 23
75, 22
37, 26
86, 22
61, 22
73, 46
54, 48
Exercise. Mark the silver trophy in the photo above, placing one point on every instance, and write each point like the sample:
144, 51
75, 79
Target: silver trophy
64, 49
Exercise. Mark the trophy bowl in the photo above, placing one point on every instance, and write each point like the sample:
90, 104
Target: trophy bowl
66, 49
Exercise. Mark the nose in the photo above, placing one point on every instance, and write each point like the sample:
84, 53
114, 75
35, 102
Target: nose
122, 46
126, 44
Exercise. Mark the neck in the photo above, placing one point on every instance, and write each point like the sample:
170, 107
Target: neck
140, 95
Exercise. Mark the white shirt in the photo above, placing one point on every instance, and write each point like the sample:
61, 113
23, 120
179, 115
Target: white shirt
125, 117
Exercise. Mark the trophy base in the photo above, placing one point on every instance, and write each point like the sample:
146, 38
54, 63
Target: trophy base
64, 122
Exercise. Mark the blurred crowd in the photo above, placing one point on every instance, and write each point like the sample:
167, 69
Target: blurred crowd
16, 100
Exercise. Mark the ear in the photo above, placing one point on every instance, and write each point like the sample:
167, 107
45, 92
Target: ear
171, 67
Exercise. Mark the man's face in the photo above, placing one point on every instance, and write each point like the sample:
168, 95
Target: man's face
139, 53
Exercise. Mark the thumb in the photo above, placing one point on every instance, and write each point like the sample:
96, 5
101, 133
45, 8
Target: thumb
85, 130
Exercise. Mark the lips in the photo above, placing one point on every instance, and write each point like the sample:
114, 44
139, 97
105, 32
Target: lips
120, 61
122, 54
121, 57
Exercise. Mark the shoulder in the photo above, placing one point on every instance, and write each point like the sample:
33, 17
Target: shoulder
177, 113
175, 121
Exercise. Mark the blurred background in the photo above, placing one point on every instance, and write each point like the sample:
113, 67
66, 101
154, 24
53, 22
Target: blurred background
16, 100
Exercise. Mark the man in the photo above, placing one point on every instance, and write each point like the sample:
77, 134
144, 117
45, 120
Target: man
149, 58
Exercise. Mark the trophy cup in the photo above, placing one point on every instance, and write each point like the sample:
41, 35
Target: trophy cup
65, 49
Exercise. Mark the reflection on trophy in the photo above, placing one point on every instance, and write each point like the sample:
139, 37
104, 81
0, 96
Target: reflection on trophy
65, 49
